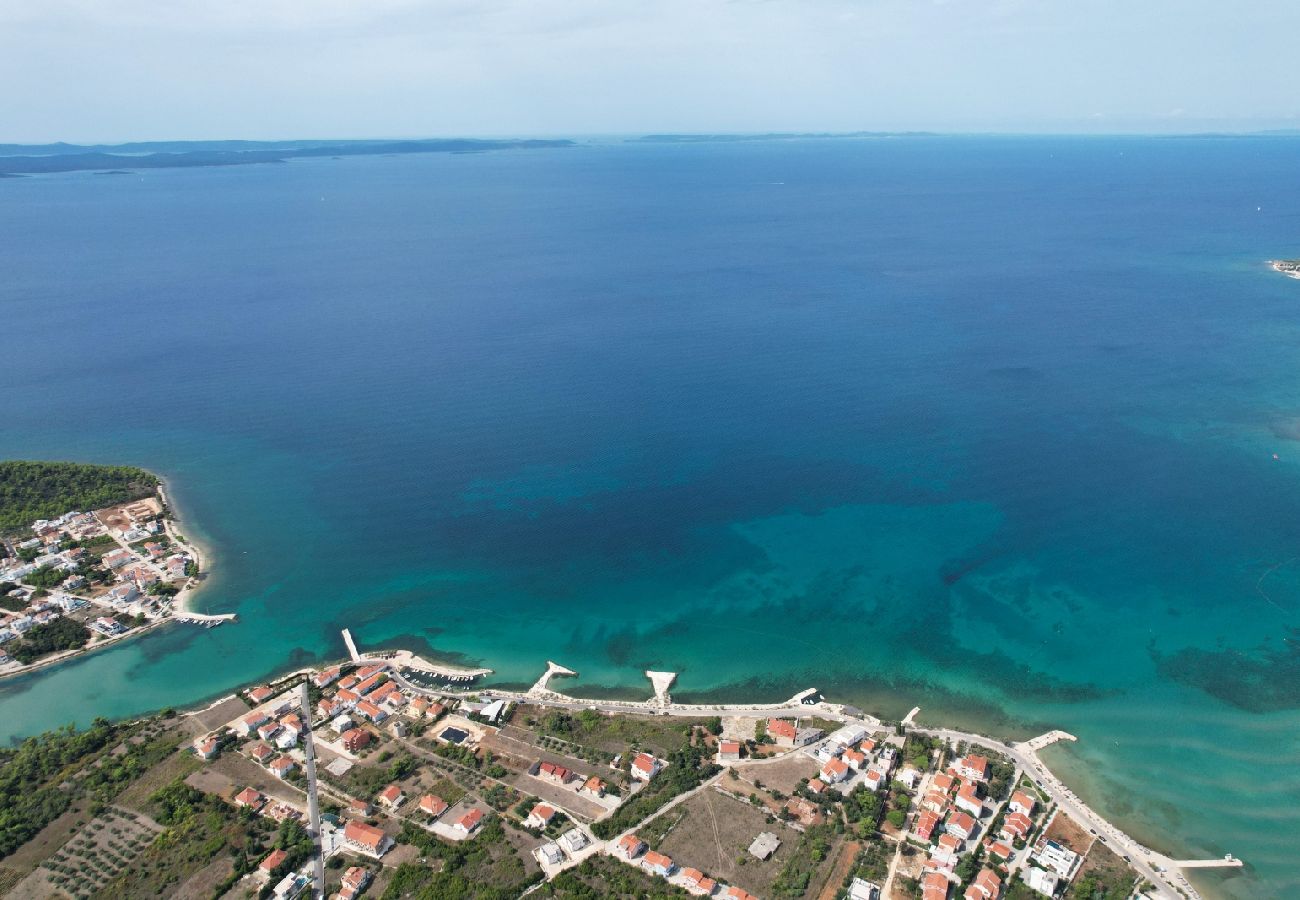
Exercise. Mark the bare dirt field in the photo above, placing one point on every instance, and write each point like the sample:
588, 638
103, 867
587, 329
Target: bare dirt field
782, 776
714, 835
211, 719
1070, 833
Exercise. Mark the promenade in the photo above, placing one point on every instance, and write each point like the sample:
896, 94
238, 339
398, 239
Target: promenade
1162, 871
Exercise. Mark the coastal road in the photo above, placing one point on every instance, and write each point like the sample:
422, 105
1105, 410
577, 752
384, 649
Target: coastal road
313, 807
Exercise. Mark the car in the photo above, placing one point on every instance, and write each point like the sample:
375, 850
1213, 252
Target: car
1092, 831
1128, 859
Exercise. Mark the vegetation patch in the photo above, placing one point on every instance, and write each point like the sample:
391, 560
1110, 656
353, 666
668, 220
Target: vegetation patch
600, 877
46, 490
687, 769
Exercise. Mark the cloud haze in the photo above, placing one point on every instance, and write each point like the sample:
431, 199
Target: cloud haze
82, 70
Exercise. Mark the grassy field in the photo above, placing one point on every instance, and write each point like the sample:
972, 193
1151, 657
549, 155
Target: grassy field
613, 734
1103, 876
178, 765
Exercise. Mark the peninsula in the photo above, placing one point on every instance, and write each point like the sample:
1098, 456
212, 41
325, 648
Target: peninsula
369, 777
89, 555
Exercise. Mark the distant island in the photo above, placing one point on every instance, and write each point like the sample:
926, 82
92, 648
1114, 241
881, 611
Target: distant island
1288, 267
771, 136
35, 159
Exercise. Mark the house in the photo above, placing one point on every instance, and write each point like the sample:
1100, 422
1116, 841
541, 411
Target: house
540, 816
392, 796
250, 798
281, 766
986, 886
691, 878
658, 864
630, 846
550, 854
847, 736
949, 846
764, 845
968, 799
1057, 857
863, 890
267, 730
324, 678
573, 840
910, 776
289, 732
834, 772
976, 767
645, 767
468, 822
115, 559
432, 805
291, 886
728, 751
273, 861
1000, 850
1016, 826
261, 693
855, 758
593, 787
356, 739
366, 838
943, 782
738, 893
372, 712
362, 808
962, 825
934, 886
397, 728
206, 748
369, 684
1022, 803
874, 779
805, 813
816, 786
355, 880
552, 772
250, 723
346, 699
782, 732
925, 824
1040, 880
327, 708
261, 752
940, 863
107, 626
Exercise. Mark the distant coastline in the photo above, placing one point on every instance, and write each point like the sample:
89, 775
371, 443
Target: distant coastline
38, 159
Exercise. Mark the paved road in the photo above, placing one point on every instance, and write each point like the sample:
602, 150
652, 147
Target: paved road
313, 807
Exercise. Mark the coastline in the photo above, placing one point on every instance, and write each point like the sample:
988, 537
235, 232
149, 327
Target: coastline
174, 522
181, 606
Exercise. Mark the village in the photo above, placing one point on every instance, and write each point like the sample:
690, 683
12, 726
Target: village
87, 579
734, 806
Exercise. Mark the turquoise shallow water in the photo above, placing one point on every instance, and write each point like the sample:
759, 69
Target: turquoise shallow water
981, 424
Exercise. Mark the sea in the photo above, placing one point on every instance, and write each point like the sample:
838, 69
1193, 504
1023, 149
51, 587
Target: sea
1006, 428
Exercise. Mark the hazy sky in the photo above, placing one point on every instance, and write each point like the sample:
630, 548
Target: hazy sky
83, 70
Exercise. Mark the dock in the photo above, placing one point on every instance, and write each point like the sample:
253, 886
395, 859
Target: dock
552, 669
662, 681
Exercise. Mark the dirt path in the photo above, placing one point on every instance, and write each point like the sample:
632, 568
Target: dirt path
843, 866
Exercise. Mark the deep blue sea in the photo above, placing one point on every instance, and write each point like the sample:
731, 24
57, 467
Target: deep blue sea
986, 425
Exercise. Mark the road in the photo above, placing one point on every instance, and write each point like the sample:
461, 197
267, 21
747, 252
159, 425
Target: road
313, 807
